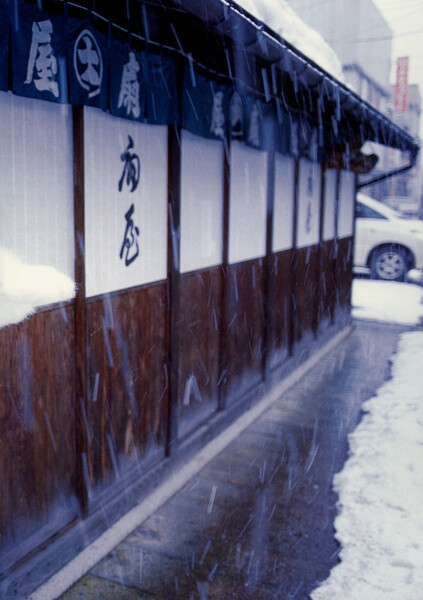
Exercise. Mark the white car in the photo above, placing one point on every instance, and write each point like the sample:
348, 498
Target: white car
387, 246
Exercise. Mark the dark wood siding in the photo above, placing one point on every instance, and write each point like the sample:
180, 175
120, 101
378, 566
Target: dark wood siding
344, 272
327, 296
243, 331
37, 421
127, 380
280, 292
306, 291
198, 352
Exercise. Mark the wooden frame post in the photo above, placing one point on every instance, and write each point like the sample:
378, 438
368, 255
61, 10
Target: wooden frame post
82, 478
173, 264
293, 326
224, 319
267, 335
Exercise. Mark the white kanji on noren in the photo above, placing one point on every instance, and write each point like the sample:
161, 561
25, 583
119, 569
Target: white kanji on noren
129, 95
42, 64
88, 63
254, 129
217, 126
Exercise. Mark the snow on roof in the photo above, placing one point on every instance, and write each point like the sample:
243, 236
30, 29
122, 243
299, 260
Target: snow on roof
280, 17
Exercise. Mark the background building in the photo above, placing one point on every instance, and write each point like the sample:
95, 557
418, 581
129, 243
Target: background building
362, 39
407, 187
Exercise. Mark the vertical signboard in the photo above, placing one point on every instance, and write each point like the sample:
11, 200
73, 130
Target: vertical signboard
401, 85
125, 203
308, 218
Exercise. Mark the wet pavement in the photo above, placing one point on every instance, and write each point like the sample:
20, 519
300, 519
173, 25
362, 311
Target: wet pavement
257, 521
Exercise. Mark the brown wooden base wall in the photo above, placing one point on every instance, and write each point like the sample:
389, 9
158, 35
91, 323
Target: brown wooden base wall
198, 326
223, 349
306, 292
243, 329
281, 271
126, 408
37, 423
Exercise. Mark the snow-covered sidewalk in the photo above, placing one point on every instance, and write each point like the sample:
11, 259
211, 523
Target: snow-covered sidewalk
380, 521
387, 301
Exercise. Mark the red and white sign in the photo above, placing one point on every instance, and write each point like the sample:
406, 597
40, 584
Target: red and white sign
401, 85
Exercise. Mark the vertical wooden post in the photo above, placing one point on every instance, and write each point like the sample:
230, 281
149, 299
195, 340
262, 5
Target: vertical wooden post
293, 326
224, 320
319, 296
81, 434
336, 265
173, 258
351, 278
268, 307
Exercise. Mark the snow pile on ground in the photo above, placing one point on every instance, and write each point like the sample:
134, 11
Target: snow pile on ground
380, 525
24, 287
387, 301
280, 17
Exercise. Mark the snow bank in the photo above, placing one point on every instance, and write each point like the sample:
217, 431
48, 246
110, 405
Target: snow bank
24, 287
280, 17
387, 301
380, 525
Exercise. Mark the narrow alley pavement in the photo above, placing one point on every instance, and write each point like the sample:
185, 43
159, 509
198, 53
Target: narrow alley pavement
257, 521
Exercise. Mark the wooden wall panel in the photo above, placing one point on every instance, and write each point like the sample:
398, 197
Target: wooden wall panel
37, 448
327, 296
127, 380
243, 331
306, 291
198, 346
344, 271
280, 291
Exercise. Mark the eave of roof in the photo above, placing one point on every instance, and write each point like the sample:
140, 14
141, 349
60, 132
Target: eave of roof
235, 23
227, 41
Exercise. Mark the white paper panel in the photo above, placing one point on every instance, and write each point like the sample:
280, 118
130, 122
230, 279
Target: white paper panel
248, 203
330, 204
201, 202
346, 204
36, 175
308, 214
284, 203
106, 139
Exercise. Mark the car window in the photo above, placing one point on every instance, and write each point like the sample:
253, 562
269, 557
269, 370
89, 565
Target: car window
365, 212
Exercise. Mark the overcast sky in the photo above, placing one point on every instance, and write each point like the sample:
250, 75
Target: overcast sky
406, 20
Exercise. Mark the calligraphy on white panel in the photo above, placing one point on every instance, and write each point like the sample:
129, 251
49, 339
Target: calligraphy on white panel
125, 203
308, 212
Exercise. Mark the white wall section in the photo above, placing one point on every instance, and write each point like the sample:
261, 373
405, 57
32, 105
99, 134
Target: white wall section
329, 213
201, 202
346, 204
283, 219
36, 174
248, 203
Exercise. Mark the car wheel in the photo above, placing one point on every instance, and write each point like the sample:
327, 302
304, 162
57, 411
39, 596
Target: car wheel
389, 263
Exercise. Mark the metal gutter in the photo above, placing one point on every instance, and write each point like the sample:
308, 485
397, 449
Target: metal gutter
387, 175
